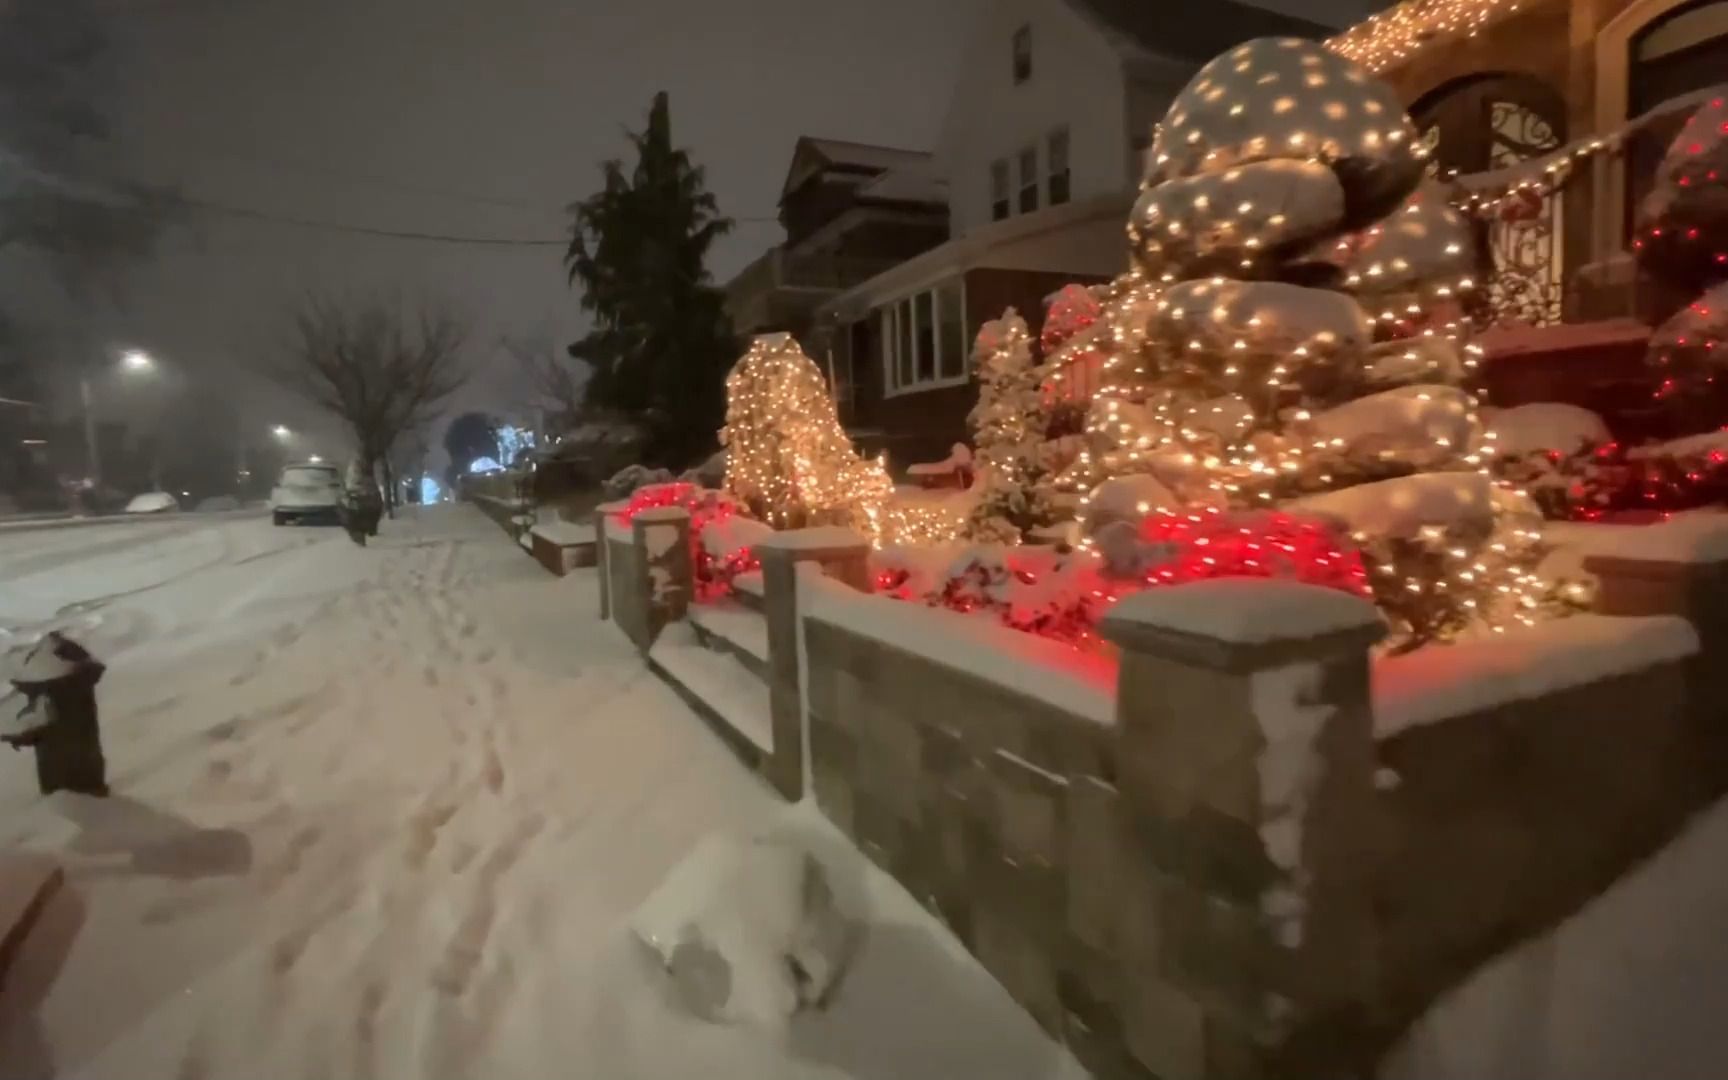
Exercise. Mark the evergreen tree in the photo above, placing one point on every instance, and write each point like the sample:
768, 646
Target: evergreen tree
1008, 425
661, 343
470, 437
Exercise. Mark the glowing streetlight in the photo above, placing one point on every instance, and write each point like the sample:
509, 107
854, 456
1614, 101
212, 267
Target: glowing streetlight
281, 431
315, 459
136, 360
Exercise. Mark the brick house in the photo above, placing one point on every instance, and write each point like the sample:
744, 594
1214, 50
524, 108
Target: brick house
850, 211
1040, 156
1540, 74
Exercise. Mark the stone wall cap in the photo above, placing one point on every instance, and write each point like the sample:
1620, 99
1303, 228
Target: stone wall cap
1686, 541
827, 538
661, 515
1242, 611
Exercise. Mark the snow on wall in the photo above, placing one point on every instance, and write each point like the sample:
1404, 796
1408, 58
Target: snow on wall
1686, 538
619, 530
1435, 684
746, 629
1247, 611
1290, 768
817, 539
724, 684
1707, 443
564, 532
1531, 429
1076, 683
1632, 985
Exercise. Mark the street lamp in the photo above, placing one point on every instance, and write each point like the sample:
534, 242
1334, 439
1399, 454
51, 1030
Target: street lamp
281, 432
130, 360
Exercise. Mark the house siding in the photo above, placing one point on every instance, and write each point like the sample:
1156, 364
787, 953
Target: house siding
1077, 82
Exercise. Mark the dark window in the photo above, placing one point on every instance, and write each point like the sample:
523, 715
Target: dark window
951, 328
1022, 54
926, 330
1028, 181
1000, 207
1058, 167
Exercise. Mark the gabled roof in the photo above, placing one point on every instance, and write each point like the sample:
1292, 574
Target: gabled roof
812, 155
1197, 32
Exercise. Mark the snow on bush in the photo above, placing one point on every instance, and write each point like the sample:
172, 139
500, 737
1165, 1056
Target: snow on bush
721, 541
1062, 593
632, 478
1544, 426
750, 930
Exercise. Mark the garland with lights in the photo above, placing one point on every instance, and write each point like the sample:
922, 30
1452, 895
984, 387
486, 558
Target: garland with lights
1613, 483
712, 515
1386, 39
1293, 335
1062, 594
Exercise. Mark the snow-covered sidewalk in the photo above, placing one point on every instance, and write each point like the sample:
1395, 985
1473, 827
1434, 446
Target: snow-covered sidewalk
383, 812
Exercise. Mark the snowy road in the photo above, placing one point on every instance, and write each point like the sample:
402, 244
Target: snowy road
380, 813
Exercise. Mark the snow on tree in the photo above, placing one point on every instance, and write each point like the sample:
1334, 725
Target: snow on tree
1008, 425
1681, 241
1292, 337
787, 458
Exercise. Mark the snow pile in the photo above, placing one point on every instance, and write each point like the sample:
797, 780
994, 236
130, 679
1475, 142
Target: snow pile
152, 502
1248, 611
1403, 506
564, 533
1290, 768
1421, 425
959, 459
1431, 685
726, 686
1630, 986
1684, 538
1543, 427
1702, 444
749, 929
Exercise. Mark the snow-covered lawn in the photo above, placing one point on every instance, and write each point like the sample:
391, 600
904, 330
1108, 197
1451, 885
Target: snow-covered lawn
383, 812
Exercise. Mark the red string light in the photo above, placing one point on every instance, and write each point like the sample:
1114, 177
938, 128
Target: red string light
715, 574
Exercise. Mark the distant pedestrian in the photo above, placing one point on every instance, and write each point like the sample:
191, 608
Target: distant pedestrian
362, 503
58, 678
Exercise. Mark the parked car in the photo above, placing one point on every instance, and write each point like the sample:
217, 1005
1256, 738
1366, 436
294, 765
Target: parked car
307, 493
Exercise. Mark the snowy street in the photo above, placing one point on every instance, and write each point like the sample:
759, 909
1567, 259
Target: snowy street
380, 813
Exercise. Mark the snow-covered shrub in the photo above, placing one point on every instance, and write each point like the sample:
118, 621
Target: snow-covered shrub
750, 930
721, 540
632, 478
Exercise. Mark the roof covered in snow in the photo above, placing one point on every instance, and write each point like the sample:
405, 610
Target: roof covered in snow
811, 156
1140, 28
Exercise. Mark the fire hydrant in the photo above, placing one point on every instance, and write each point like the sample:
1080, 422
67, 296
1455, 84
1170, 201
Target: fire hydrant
58, 678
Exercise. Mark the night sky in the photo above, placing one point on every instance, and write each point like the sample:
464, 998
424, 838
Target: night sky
476, 118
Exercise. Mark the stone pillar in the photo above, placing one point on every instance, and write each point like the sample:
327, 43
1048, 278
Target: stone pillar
602, 514
1690, 581
842, 555
668, 575
1246, 774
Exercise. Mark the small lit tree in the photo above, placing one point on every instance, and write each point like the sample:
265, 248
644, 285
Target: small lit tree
787, 458
1008, 425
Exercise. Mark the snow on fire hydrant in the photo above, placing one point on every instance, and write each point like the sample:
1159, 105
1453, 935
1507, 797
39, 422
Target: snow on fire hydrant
58, 678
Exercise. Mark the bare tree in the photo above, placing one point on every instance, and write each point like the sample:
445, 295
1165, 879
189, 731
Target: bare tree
382, 369
556, 381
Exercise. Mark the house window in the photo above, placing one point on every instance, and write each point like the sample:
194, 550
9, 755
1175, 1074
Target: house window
1000, 207
1028, 180
1058, 163
924, 340
1022, 55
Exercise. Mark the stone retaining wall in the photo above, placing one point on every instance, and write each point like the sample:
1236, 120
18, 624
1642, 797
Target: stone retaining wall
1233, 878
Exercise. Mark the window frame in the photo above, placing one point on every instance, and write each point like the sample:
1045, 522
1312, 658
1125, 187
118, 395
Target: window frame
1031, 181
1063, 137
1001, 195
895, 366
1020, 54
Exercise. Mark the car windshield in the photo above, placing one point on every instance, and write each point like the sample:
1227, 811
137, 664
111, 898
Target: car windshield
308, 477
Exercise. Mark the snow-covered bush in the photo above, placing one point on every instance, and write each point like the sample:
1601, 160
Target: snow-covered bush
632, 478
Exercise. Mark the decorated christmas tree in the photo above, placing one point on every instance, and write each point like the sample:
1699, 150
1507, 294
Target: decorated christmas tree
1291, 336
1681, 240
1008, 424
787, 458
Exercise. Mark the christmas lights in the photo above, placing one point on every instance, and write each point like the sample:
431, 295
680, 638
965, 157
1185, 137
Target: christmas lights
1388, 38
711, 514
